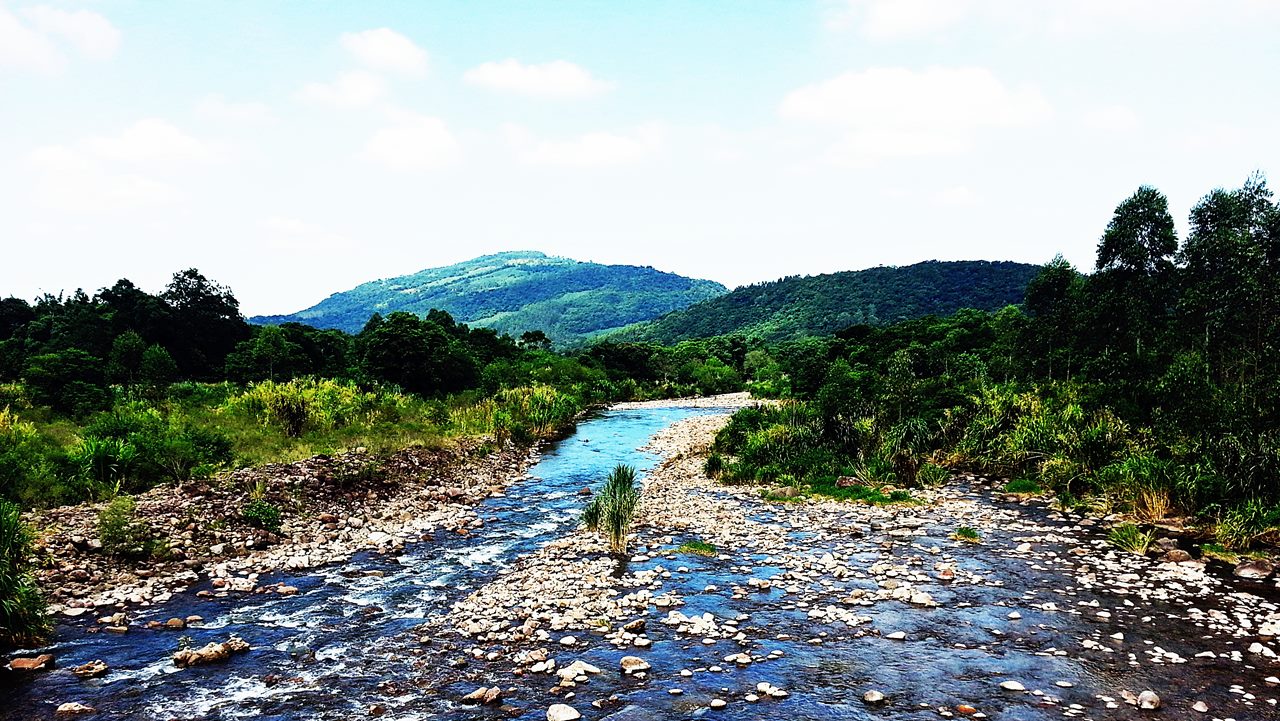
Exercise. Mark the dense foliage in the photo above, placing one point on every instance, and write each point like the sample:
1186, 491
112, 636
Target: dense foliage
797, 307
515, 292
1148, 386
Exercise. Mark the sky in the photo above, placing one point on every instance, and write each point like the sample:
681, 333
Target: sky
294, 149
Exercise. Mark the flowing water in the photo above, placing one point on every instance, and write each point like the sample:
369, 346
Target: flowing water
345, 642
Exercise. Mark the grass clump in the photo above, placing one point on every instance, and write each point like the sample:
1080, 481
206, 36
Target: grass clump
23, 620
932, 475
1242, 526
713, 466
611, 510
697, 548
1128, 537
968, 534
261, 514
121, 533
1023, 485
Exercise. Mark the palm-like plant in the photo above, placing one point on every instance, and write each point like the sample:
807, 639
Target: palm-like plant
612, 509
23, 620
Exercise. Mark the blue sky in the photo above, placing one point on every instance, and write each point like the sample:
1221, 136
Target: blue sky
292, 149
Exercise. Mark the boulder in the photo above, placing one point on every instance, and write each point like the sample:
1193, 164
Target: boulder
93, 669
33, 663
1255, 568
633, 664
73, 709
211, 653
562, 712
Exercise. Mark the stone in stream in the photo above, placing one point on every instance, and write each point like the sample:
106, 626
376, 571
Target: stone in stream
576, 669
1012, 686
210, 653
1148, 700
34, 663
93, 669
873, 697
1256, 568
633, 664
73, 709
562, 712
1200, 706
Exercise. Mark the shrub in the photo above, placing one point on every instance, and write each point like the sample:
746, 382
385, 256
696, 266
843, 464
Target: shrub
121, 533
1243, 525
612, 509
697, 548
23, 621
713, 466
931, 475
261, 514
1128, 537
1022, 485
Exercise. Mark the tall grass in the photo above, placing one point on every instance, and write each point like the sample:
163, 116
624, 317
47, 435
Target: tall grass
612, 509
23, 620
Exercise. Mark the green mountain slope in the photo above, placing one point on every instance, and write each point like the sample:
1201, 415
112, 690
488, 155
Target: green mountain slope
796, 306
515, 292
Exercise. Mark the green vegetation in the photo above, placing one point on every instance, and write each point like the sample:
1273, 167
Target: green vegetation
122, 534
713, 466
1147, 387
697, 548
1128, 537
260, 514
968, 534
1023, 485
612, 509
516, 292
798, 307
22, 613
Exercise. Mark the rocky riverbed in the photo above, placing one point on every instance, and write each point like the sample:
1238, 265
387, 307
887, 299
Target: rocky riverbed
809, 608
334, 507
1039, 618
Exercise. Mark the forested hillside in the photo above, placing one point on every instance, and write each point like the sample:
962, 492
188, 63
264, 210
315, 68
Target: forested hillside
513, 292
796, 307
1146, 388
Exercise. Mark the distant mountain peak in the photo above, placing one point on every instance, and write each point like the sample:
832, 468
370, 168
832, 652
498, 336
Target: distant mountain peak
516, 291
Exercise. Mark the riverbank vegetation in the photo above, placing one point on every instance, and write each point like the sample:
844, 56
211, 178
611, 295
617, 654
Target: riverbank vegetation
1146, 387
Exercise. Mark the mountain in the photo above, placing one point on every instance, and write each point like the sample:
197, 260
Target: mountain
795, 306
514, 292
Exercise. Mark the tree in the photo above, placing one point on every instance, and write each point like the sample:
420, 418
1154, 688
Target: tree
1141, 237
126, 358
157, 368
69, 381
417, 355
207, 323
535, 340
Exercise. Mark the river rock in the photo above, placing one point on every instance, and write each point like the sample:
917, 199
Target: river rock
211, 653
1255, 568
873, 697
562, 712
633, 664
73, 709
576, 669
1012, 686
93, 669
30, 664
1148, 700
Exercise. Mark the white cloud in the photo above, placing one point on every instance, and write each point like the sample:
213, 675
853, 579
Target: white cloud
36, 45
556, 79
412, 142
151, 139
88, 32
100, 174
895, 112
353, 89
1114, 118
387, 50
217, 107
69, 180
292, 234
893, 19
958, 196
590, 150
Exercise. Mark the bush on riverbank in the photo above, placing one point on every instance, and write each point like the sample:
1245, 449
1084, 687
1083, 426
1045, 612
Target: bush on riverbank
612, 509
22, 611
